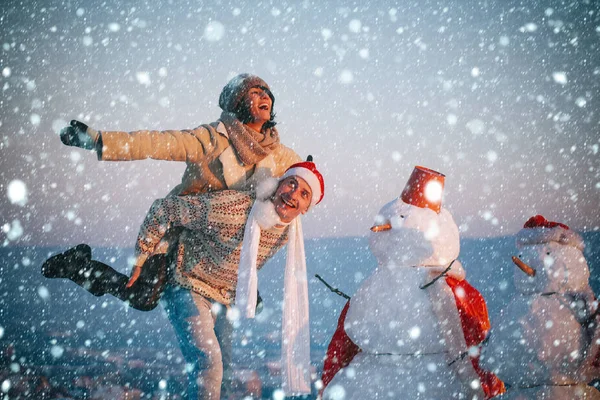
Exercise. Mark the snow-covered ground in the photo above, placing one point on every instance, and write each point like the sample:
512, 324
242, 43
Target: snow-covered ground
53, 327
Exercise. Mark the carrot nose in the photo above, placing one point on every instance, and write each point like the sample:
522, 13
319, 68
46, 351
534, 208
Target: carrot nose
381, 228
523, 267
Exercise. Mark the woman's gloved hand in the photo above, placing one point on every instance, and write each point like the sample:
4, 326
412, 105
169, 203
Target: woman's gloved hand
80, 135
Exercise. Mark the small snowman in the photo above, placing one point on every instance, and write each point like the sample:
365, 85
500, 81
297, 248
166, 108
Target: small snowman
546, 343
412, 330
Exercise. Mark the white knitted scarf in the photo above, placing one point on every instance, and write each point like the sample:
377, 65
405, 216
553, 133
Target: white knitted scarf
295, 351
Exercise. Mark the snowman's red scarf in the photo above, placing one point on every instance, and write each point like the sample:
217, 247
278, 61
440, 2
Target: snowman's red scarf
475, 324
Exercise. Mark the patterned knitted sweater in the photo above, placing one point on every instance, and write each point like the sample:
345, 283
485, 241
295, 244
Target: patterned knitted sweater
208, 248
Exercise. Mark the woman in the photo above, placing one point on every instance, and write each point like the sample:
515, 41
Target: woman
237, 151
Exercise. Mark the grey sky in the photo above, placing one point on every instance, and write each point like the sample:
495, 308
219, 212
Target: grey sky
501, 96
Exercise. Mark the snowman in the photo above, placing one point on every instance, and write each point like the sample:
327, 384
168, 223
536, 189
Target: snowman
412, 330
545, 343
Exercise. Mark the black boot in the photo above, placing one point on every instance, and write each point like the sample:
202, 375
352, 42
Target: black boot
98, 278
67, 264
77, 265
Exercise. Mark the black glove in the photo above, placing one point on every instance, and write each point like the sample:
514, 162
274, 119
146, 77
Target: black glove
80, 135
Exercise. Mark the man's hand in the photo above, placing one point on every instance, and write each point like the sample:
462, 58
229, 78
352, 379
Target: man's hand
80, 135
135, 274
259, 304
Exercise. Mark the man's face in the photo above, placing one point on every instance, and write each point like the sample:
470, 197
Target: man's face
292, 198
259, 104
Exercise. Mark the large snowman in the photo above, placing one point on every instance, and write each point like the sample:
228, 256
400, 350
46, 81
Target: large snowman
546, 343
411, 330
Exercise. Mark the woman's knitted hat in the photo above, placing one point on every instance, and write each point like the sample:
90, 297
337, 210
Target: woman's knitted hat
233, 93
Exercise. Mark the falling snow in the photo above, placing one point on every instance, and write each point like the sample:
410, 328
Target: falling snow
214, 31
346, 77
143, 78
355, 26
502, 98
560, 77
17, 192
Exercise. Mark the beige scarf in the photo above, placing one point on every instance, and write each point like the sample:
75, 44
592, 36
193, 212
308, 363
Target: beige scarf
250, 146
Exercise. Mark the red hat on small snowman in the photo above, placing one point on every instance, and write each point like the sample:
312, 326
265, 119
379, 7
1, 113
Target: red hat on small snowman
538, 230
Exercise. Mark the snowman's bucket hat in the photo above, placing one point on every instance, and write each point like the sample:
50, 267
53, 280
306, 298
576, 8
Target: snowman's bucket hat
424, 189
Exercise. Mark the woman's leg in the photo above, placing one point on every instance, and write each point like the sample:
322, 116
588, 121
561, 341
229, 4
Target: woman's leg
194, 324
147, 290
99, 279
76, 264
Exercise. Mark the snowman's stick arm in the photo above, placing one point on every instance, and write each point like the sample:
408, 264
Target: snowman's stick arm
465, 353
438, 277
334, 290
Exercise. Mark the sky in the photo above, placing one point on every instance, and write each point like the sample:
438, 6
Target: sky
500, 96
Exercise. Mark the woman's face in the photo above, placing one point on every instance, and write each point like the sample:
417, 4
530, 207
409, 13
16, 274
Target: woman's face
292, 198
259, 104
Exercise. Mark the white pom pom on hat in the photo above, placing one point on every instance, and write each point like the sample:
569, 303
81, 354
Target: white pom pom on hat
266, 188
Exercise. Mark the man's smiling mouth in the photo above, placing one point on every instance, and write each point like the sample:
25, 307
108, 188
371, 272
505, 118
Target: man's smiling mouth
288, 202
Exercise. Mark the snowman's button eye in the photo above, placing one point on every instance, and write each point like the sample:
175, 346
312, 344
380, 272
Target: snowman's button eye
401, 216
548, 253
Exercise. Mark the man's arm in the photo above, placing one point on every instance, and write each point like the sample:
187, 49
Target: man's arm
190, 212
165, 214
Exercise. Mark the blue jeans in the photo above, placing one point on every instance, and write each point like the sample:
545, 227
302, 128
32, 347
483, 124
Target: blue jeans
204, 336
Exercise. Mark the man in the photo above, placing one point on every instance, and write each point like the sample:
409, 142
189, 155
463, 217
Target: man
224, 238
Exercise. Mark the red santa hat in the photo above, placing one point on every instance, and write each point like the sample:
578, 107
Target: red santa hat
424, 189
307, 170
538, 230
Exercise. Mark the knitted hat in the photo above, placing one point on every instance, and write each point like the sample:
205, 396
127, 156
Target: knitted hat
233, 93
307, 170
538, 230
424, 189
295, 351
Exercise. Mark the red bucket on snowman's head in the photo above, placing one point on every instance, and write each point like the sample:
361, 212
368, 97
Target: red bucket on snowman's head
424, 189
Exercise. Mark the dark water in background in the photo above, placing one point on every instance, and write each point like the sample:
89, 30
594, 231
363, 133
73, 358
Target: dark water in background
56, 323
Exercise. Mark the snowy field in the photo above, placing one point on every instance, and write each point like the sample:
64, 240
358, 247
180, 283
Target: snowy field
88, 345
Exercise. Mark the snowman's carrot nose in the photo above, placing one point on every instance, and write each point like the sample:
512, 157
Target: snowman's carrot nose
381, 228
523, 267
